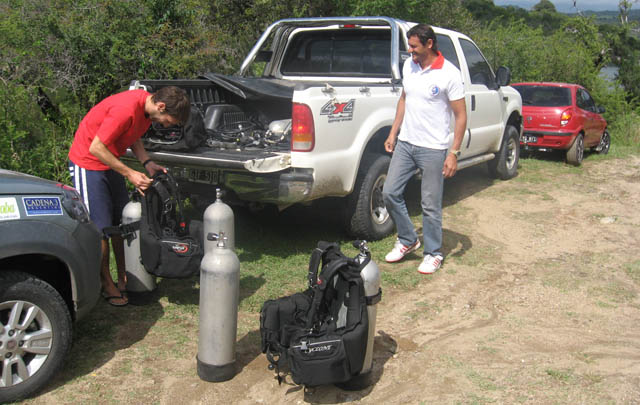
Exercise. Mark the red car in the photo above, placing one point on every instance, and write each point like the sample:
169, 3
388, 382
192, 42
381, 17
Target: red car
562, 116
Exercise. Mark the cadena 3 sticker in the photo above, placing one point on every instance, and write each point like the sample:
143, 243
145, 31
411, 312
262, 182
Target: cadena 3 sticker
9, 209
35, 206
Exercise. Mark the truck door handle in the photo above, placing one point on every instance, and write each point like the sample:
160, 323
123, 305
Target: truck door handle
473, 102
469, 137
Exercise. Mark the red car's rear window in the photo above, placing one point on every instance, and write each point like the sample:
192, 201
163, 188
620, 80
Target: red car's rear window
544, 96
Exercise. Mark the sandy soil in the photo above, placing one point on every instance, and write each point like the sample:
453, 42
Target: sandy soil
537, 302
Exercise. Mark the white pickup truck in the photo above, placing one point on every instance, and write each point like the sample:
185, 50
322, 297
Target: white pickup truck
308, 112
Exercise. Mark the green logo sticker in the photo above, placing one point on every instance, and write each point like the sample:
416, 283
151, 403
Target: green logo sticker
9, 209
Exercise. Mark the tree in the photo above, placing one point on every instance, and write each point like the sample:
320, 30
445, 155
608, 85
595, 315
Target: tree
625, 6
544, 6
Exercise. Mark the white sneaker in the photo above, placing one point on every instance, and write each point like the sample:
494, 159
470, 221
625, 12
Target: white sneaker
399, 251
430, 264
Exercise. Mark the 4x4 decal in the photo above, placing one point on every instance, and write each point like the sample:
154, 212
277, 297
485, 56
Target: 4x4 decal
337, 111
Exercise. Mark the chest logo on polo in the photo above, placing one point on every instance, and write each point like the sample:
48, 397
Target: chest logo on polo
434, 90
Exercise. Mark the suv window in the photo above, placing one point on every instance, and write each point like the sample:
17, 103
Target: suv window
584, 100
339, 52
479, 69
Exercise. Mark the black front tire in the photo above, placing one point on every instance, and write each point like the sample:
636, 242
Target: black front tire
35, 334
505, 165
367, 216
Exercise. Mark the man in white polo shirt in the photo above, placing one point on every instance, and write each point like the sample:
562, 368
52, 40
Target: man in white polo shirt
432, 91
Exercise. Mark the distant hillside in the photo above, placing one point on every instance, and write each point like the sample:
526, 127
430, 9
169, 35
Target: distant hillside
610, 17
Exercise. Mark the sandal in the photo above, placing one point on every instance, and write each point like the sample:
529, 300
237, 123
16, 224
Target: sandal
110, 299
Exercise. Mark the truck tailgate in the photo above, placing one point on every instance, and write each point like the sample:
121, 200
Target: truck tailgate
257, 161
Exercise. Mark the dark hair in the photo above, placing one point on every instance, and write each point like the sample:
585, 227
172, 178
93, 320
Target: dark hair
423, 32
176, 102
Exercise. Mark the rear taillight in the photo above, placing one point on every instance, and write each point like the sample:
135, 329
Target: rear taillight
302, 130
565, 117
73, 204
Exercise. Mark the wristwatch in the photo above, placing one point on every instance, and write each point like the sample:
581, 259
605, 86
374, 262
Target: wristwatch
455, 152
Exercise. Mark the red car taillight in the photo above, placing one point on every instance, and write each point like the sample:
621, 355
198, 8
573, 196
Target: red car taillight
565, 118
303, 135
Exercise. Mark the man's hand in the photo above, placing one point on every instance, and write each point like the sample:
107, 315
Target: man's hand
153, 168
139, 180
390, 143
450, 166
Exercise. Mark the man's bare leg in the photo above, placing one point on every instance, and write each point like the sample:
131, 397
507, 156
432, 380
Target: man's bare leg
117, 244
108, 287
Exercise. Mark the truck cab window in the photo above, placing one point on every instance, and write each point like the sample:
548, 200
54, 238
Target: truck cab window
342, 52
479, 70
445, 46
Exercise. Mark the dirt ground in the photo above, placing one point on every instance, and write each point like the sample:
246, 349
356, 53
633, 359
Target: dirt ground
537, 302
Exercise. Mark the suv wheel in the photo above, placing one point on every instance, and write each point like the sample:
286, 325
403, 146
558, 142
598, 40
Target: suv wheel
505, 165
35, 334
367, 216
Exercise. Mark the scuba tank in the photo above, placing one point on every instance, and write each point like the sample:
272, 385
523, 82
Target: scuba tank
138, 280
218, 218
219, 295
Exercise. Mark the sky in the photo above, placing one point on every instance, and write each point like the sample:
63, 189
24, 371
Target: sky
566, 6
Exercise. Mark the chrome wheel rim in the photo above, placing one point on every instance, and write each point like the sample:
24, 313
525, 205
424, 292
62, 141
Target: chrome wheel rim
26, 338
511, 153
379, 212
580, 149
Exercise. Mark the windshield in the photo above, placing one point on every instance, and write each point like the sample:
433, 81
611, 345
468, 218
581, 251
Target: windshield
544, 96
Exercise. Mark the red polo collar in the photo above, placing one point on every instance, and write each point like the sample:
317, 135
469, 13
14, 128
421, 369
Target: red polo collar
439, 62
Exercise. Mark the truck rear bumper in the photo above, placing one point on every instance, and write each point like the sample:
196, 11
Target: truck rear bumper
266, 179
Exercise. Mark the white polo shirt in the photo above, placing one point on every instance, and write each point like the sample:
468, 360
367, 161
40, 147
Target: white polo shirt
427, 113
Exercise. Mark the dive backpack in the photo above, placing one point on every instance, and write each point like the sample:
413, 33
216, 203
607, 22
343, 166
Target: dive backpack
320, 334
169, 247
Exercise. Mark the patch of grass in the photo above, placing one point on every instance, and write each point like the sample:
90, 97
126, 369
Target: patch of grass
424, 309
633, 270
584, 357
477, 256
563, 375
614, 291
483, 382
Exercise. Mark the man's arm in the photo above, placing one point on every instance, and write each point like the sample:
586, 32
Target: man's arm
390, 143
152, 167
100, 150
459, 108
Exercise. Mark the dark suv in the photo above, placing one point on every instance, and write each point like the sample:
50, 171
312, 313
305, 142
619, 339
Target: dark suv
49, 277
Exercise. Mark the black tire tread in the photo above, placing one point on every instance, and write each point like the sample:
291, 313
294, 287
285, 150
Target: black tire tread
358, 216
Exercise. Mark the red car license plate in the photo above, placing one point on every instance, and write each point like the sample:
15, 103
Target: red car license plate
529, 139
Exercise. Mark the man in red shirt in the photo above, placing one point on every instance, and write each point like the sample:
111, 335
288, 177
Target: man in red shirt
113, 125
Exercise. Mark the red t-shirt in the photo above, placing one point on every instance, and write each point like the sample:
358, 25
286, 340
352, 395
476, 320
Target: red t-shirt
118, 121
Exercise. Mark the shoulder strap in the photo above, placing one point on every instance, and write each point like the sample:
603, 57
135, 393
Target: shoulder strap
167, 188
325, 277
318, 256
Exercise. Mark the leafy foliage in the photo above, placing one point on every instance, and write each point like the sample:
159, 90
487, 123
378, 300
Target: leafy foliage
58, 57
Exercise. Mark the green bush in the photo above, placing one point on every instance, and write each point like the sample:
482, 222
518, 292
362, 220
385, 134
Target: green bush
59, 58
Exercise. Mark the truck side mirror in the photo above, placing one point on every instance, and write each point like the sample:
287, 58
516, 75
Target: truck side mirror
600, 109
404, 55
503, 76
